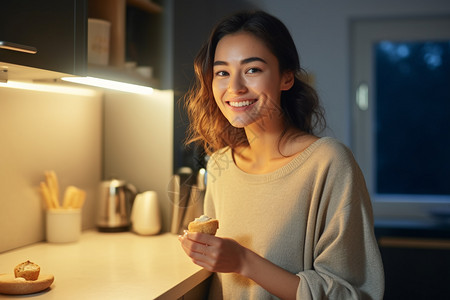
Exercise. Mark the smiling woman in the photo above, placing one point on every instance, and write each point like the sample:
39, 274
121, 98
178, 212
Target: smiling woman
295, 216
273, 43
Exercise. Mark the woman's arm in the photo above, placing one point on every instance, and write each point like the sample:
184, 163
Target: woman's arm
226, 255
271, 277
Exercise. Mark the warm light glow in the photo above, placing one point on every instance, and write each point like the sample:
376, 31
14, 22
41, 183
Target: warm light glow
110, 84
52, 88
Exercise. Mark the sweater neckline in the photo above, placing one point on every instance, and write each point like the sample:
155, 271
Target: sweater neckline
297, 161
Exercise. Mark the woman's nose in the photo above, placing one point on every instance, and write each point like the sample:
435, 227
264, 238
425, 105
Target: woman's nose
236, 84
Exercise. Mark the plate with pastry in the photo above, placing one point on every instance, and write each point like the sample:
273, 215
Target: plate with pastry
204, 224
26, 279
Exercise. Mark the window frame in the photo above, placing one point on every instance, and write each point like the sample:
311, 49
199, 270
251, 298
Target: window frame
412, 209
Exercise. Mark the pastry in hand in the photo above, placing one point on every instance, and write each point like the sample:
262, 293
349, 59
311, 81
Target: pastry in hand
204, 224
27, 270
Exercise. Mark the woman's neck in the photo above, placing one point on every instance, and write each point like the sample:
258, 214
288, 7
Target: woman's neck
266, 152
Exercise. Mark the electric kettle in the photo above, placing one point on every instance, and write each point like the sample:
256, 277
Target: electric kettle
114, 206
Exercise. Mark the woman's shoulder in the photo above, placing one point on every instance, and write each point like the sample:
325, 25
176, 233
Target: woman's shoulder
220, 158
332, 148
332, 143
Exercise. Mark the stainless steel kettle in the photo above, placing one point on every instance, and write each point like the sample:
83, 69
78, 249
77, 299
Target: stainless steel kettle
114, 206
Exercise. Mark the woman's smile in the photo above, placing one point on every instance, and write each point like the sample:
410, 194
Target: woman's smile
241, 103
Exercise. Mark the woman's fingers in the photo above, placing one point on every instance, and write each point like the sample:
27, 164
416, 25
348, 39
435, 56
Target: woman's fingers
213, 253
200, 253
202, 238
193, 244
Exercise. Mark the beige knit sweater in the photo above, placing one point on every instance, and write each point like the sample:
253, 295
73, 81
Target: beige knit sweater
312, 217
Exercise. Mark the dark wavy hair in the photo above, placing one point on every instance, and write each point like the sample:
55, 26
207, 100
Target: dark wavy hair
299, 105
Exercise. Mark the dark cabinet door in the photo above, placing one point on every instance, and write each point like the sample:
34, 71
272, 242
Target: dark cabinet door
55, 29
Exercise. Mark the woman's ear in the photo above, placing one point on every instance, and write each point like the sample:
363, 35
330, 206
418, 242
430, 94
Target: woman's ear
287, 80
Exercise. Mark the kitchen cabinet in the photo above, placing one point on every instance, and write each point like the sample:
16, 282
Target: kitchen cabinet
416, 259
416, 268
48, 35
51, 35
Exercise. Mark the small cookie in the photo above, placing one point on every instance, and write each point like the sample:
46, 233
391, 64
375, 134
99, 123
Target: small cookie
204, 224
27, 270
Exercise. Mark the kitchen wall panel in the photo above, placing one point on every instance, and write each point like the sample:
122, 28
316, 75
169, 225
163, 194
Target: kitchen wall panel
138, 141
45, 131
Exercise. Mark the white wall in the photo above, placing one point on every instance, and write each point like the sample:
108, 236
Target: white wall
321, 30
42, 131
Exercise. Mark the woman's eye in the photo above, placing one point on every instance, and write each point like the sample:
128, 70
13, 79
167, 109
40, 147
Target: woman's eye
221, 73
253, 70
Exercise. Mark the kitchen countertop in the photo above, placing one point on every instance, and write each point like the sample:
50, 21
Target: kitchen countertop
111, 266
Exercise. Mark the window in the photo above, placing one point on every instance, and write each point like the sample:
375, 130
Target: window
412, 117
401, 115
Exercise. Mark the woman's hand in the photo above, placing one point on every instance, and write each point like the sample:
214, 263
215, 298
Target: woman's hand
226, 255
213, 253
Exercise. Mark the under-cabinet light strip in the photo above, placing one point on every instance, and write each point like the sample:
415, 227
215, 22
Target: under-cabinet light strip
52, 88
110, 84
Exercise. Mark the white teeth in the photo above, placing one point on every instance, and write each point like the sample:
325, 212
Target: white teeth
241, 103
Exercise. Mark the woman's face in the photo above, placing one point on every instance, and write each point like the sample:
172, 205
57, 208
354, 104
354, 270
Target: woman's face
247, 83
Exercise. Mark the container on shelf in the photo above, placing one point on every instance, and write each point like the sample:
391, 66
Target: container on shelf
98, 41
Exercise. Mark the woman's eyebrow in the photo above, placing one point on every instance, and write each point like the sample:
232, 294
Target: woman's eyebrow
252, 59
243, 62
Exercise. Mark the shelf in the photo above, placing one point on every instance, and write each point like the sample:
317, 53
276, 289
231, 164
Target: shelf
146, 5
121, 74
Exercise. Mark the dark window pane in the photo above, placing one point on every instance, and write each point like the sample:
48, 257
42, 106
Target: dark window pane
412, 117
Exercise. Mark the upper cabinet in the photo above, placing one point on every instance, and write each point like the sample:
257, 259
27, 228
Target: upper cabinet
51, 35
48, 35
134, 39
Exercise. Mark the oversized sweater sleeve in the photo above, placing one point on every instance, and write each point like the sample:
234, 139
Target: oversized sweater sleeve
344, 262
